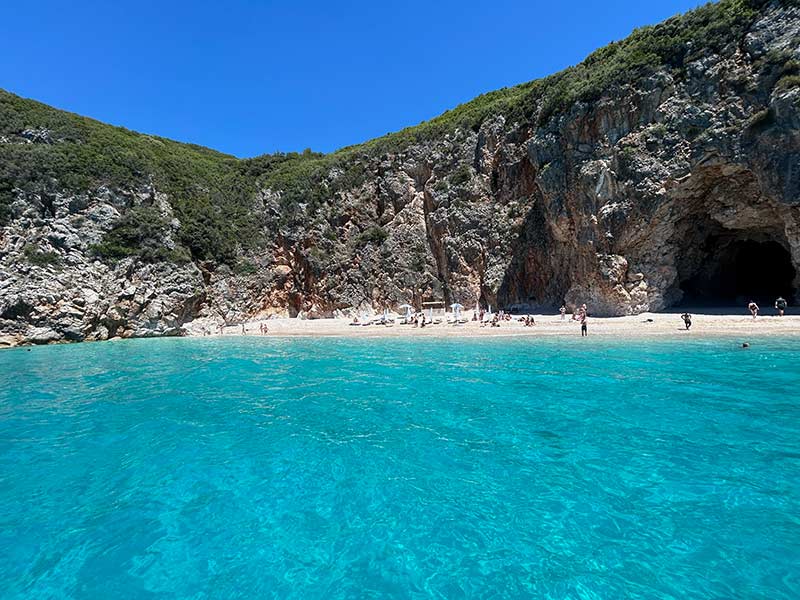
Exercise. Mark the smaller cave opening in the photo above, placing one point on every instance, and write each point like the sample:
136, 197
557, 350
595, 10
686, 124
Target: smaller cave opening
734, 271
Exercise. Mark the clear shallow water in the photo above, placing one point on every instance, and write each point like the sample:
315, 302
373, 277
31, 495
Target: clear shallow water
251, 468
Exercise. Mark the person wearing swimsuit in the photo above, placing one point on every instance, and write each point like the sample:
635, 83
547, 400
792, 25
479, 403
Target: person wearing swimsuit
780, 305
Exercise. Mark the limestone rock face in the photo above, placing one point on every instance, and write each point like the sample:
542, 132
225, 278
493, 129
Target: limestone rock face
52, 289
652, 194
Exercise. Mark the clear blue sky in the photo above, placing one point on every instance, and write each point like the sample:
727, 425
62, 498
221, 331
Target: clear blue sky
248, 77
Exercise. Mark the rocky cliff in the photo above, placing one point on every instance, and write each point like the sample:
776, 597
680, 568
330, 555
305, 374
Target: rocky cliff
663, 169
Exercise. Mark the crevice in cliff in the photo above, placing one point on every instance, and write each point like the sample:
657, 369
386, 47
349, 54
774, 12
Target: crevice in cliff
435, 233
538, 274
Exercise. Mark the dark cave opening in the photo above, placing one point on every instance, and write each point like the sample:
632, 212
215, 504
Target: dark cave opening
735, 271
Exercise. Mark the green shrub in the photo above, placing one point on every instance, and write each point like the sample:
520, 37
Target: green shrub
761, 120
140, 232
6, 198
788, 82
659, 130
441, 186
462, 175
374, 235
40, 258
245, 267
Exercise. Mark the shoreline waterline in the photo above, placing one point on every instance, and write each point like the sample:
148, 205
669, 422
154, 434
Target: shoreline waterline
711, 324
547, 325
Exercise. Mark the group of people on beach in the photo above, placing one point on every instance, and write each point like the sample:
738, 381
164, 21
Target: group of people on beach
780, 306
263, 329
580, 315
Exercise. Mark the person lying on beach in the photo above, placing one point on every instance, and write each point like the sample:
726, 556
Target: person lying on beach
753, 308
780, 305
687, 320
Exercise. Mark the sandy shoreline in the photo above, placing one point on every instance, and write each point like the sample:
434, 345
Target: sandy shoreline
643, 325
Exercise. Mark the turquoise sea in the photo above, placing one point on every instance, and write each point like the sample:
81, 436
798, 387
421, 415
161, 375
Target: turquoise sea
466, 468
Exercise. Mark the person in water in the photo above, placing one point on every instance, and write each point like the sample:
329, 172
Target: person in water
753, 308
687, 320
780, 305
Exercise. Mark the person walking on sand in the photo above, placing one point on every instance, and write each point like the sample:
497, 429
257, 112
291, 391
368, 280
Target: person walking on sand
780, 305
563, 311
753, 308
687, 320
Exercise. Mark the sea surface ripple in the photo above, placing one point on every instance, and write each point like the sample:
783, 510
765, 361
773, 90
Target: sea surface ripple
438, 468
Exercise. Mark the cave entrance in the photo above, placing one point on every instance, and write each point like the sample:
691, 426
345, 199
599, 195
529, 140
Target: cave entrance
735, 271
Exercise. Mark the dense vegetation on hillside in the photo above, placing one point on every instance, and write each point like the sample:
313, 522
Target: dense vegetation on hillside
48, 151
45, 151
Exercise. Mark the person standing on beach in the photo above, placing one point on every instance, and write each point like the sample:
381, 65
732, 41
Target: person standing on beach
780, 305
584, 333
753, 308
687, 320
563, 311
